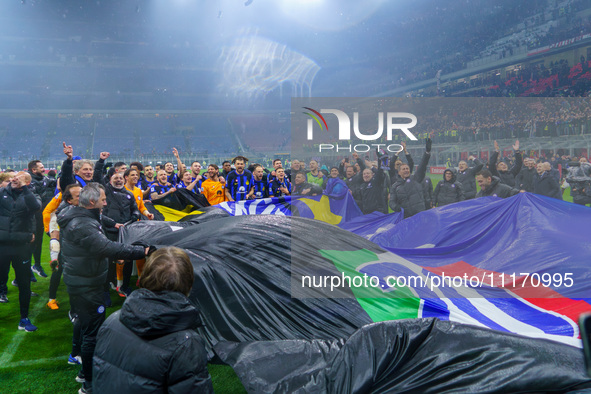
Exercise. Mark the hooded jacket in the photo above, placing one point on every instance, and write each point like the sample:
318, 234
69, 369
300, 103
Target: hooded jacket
151, 346
497, 189
448, 192
85, 249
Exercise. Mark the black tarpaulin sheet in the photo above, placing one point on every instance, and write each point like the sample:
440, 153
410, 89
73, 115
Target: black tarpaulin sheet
243, 276
278, 343
409, 356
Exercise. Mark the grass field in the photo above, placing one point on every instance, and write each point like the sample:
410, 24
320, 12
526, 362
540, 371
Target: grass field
36, 362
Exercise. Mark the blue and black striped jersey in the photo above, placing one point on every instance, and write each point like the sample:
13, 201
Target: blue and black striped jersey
239, 184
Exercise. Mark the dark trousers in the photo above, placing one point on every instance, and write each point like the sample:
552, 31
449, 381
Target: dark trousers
54, 281
21, 262
38, 239
91, 314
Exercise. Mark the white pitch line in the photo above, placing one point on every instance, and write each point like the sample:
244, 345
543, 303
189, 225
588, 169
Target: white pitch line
19, 335
31, 362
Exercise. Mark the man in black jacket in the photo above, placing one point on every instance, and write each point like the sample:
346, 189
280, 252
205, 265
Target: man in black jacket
395, 164
18, 206
85, 251
467, 176
492, 186
151, 345
80, 172
448, 190
303, 188
525, 179
500, 170
371, 190
44, 188
121, 209
544, 182
407, 192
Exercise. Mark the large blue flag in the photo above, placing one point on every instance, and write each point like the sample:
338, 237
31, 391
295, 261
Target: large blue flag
324, 208
519, 265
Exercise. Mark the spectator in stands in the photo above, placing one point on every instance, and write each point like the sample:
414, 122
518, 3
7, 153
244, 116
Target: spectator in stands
500, 170
154, 331
467, 176
545, 184
161, 188
303, 188
448, 190
315, 175
525, 179
280, 186
213, 188
407, 192
260, 185
371, 189
85, 252
18, 205
491, 186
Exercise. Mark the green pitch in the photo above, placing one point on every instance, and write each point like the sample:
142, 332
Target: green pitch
36, 362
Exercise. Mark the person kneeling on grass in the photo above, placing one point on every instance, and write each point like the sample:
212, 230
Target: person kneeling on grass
151, 345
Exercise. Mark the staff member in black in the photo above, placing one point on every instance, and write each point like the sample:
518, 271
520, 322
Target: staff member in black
85, 251
18, 206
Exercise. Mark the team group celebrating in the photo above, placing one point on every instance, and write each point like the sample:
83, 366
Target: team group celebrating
83, 211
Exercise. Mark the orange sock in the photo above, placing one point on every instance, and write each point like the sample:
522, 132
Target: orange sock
119, 272
140, 266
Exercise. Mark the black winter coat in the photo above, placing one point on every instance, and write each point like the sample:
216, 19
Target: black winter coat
525, 179
506, 177
43, 186
448, 192
468, 179
151, 346
17, 217
407, 194
85, 249
121, 208
497, 189
371, 194
546, 185
428, 192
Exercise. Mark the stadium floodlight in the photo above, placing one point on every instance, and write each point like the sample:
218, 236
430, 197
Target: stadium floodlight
253, 66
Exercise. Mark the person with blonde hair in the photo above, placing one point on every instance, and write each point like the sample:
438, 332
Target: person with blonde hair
151, 345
